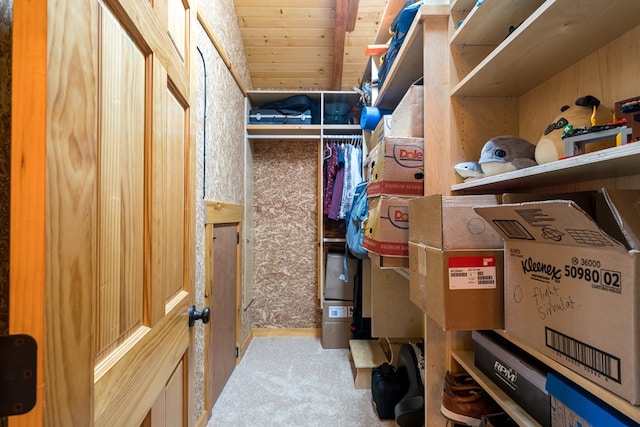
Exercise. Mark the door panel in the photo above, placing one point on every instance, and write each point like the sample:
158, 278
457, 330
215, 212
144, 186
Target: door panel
118, 211
222, 347
121, 186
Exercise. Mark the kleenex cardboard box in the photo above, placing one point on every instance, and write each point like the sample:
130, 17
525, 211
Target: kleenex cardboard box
571, 290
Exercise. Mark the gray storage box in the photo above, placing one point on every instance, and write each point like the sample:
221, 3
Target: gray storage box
334, 287
514, 371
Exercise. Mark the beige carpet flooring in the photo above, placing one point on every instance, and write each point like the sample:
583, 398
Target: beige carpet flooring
293, 381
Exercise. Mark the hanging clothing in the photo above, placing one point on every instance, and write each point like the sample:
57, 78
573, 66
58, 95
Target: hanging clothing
329, 174
336, 196
352, 177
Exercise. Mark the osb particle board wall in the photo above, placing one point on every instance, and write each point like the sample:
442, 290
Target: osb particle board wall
285, 210
219, 141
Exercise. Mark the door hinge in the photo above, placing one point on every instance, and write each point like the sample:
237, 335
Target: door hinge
238, 236
18, 365
237, 352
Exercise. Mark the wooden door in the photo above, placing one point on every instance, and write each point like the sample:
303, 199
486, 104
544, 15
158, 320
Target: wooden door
222, 348
102, 195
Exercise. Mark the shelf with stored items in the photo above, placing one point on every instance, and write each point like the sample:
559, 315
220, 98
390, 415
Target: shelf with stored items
616, 402
614, 162
482, 81
408, 65
322, 123
513, 83
466, 361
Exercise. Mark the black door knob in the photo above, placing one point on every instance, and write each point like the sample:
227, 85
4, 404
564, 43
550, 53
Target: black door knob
203, 315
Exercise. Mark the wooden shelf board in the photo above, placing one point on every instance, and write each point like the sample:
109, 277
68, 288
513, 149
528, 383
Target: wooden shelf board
609, 163
555, 36
616, 402
519, 415
496, 16
389, 262
354, 129
283, 130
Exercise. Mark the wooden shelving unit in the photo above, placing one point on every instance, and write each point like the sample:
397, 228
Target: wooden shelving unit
258, 133
554, 36
482, 81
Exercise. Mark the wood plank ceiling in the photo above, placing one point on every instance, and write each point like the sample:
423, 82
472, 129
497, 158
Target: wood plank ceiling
308, 44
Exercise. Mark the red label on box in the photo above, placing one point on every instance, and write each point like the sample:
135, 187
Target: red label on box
472, 272
472, 261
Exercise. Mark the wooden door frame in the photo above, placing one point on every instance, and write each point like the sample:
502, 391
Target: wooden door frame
220, 213
28, 186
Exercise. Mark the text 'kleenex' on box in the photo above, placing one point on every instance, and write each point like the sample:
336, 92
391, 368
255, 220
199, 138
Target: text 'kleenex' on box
571, 290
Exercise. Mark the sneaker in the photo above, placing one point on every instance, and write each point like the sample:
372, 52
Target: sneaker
460, 380
466, 404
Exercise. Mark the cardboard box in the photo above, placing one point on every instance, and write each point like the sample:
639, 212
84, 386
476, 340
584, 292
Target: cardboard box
335, 287
455, 262
464, 289
382, 130
408, 116
386, 230
396, 167
337, 317
449, 222
572, 406
572, 290
418, 275
518, 374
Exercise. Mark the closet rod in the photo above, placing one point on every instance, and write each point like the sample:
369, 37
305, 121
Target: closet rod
342, 136
283, 136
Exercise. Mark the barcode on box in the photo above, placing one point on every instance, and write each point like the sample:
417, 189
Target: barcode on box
513, 229
588, 356
340, 311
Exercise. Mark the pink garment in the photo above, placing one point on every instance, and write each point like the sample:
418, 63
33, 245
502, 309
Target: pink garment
330, 170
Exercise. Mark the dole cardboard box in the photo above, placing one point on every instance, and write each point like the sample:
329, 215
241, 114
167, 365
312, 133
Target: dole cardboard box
396, 167
571, 290
386, 230
455, 262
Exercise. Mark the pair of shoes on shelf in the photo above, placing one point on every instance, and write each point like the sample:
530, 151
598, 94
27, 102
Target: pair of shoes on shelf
464, 401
